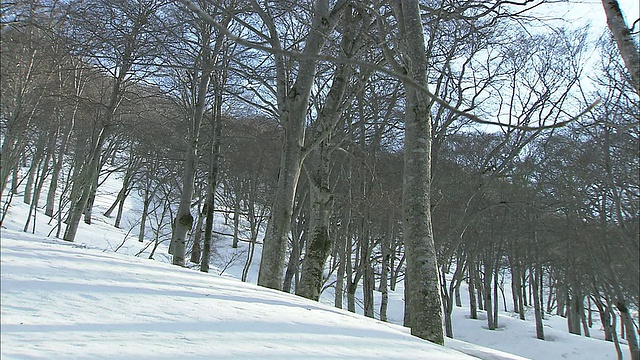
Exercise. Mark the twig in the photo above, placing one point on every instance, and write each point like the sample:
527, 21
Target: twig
367, 65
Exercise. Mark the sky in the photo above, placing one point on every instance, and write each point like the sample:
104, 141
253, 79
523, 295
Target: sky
84, 300
576, 12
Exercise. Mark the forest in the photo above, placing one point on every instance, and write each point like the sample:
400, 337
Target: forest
358, 143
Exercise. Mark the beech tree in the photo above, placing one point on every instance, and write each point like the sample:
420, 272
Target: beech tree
318, 171
121, 47
293, 102
423, 282
27, 70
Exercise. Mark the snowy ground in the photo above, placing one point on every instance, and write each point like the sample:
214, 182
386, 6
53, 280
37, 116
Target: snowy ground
65, 302
62, 300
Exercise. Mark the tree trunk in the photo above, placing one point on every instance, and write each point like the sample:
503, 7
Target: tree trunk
520, 301
515, 285
116, 223
495, 296
523, 290
184, 220
298, 231
561, 296
488, 304
616, 342
627, 323
196, 248
145, 213
583, 320
40, 178
573, 312
214, 165
294, 262
87, 175
605, 318
367, 288
352, 281
424, 298
116, 201
14, 180
395, 270
447, 304
293, 117
93, 188
236, 219
339, 296
480, 288
33, 170
626, 45
406, 320
550, 297
537, 301
384, 274
589, 312
127, 184
473, 307
319, 243
247, 264
57, 164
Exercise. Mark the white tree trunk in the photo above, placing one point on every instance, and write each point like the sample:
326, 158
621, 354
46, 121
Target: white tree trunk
293, 117
424, 298
184, 219
624, 40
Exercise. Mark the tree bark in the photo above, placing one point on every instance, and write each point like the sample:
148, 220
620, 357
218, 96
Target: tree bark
616, 342
236, 219
319, 243
184, 220
627, 321
473, 307
488, 303
92, 189
88, 174
624, 40
384, 275
352, 279
293, 117
424, 298
33, 170
341, 252
214, 165
40, 178
495, 295
537, 301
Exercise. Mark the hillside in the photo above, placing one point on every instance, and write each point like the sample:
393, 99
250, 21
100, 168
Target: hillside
80, 300
60, 301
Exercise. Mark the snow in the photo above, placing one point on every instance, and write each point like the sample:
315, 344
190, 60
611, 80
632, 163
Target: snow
64, 302
82, 300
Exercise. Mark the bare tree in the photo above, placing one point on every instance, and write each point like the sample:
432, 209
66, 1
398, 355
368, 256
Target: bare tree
318, 171
196, 89
119, 48
424, 299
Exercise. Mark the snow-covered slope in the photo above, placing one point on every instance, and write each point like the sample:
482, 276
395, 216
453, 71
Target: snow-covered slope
118, 306
65, 302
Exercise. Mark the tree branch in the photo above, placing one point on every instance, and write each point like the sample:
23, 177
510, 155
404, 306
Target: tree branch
366, 65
